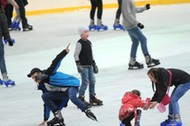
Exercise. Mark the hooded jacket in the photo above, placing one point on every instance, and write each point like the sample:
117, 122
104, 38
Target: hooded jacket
130, 102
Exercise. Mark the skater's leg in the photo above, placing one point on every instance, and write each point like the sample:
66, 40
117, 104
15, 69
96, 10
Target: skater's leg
100, 9
118, 12
72, 92
85, 82
2, 58
92, 81
93, 9
127, 121
9, 14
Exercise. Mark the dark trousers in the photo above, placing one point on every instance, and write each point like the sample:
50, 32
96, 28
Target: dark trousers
118, 12
127, 121
96, 4
9, 14
22, 13
49, 99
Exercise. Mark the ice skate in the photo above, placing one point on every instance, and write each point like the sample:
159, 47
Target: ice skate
151, 62
119, 26
84, 101
92, 26
9, 82
176, 121
27, 28
56, 122
133, 64
15, 25
101, 26
94, 101
1, 82
137, 119
90, 115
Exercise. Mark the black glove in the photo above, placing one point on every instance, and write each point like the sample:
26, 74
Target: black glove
90, 115
10, 43
147, 6
141, 26
95, 68
79, 67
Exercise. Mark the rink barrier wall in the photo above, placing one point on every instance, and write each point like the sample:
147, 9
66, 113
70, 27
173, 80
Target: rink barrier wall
105, 6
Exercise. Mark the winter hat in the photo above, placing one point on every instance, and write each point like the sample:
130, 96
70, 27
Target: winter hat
81, 30
34, 70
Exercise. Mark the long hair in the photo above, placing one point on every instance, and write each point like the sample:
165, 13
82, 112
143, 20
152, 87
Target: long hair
154, 73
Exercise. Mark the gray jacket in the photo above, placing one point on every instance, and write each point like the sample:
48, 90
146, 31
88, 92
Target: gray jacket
129, 11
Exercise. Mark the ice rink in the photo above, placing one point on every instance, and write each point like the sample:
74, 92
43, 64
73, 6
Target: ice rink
167, 29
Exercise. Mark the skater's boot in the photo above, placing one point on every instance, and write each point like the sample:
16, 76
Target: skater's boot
94, 101
100, 26
7, 81
13, 24
17, 27
151, 62
138, 117
90, 115
1, 82
177, 121
27, 27
84, 101
168, 121
133, 64
92, 26
58, 119
117, 25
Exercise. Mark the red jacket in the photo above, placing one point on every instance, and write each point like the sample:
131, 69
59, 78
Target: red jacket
130, 102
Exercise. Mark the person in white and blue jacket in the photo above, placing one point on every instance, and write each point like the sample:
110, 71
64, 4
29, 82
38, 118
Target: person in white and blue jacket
59, 86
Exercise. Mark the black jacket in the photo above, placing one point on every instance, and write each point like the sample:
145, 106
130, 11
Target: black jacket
178, 77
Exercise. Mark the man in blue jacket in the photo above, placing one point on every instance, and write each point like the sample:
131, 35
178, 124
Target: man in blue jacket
59, 85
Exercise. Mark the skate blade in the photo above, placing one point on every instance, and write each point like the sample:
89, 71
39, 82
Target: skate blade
153, 65
135, 68
95, 104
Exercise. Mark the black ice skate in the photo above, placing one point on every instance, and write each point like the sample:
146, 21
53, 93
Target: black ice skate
151, 62
56, 122
94, 101
84, 101
90, 115
27, 28
136, 65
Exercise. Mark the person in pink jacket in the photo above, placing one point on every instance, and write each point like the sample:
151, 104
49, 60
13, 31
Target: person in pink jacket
128, 110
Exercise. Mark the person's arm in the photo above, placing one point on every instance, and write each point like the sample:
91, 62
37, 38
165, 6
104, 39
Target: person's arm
77, 51
57, 61
12, 2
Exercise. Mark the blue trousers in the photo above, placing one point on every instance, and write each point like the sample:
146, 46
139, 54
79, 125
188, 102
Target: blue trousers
176, 95
2, 58
137, 36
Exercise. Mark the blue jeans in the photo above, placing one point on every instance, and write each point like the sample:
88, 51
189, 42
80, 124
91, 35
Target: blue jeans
88, 78
176, 95
137, 36
49, 99
2, 58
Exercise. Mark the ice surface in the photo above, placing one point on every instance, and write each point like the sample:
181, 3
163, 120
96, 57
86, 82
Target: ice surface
167, 29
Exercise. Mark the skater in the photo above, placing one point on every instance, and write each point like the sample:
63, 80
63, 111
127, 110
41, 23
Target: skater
117, 24
130, 102
57, 84
160, 78
86, 66
94, 5
133, 27
9, 12
4, 35
16, 21
25, 25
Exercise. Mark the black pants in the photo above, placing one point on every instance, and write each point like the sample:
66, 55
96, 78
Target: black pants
22, 13
127, 121
9, 14
118, 12
96, 4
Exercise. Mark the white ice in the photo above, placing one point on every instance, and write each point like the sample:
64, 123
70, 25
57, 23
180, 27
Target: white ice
167, 29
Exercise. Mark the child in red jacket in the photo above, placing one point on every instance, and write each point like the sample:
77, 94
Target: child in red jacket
130, 102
